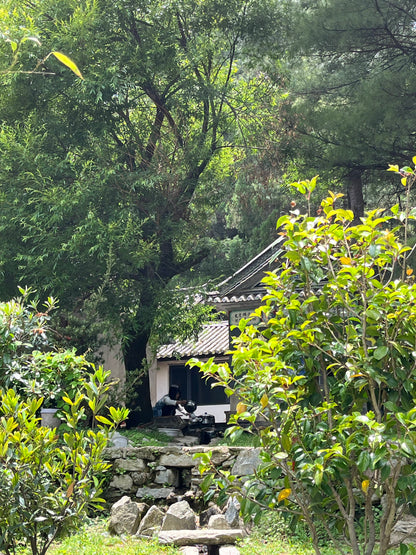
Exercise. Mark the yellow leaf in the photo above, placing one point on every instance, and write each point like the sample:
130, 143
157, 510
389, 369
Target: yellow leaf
241, 407
345, 260
284, 494
414, 160
404, 181
409, 271
393, 168
364, 485
264, 401
68, 63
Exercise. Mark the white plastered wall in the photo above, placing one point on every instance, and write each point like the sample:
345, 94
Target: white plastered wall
159, 386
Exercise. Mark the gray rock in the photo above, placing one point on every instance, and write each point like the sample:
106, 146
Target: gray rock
130, 465
125, 517
218, 522
232, 512
207, 514
140, 478
246, 462
178, 460
123, 482
151, 522
153, 493
167, 476
179, 516
203, 536
404, 530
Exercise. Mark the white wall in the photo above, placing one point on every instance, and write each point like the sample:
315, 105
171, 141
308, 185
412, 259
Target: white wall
159, 386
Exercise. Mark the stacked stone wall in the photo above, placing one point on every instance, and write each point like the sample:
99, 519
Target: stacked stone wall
160, 473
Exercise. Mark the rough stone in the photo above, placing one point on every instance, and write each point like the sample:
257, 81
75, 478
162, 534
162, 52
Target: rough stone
204, 516
229, 550
178, 460
404, 530
125, 516
203, 536
151, 522
218, 522
189, 550
179, 516
130, 465
153, 493
123, 482
232, 512
246, 463
167, 476
219, 455
141, 478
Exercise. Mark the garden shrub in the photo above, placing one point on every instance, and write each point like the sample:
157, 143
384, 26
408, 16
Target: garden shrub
328, 365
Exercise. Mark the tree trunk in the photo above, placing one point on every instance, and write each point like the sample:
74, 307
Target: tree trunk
138, 395
355, 194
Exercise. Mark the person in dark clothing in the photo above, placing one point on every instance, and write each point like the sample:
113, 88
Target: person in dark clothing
167, 405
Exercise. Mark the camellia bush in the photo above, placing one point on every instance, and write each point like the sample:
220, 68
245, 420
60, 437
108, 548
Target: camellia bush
49, 479
326, 371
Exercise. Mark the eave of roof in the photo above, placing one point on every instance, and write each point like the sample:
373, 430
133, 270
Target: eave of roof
249, 276
213, 340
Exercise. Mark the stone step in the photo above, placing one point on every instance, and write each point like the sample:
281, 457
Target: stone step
202, 536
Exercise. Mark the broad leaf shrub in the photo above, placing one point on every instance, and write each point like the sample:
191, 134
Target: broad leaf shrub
330, 371
48, 482
29, 361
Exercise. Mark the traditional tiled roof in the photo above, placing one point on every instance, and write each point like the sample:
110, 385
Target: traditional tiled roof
245, 284
213, 340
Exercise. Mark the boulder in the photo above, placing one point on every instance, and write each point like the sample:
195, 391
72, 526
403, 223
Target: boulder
232, 512
208, 513
125, 516
179, 516
218, 522
246, 462
151, 522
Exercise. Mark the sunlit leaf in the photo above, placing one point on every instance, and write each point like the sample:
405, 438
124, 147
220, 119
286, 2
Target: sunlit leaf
68, 62
284, 494
364, 485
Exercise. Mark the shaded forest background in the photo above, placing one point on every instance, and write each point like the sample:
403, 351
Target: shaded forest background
166, 167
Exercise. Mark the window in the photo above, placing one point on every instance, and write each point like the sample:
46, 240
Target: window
194, 387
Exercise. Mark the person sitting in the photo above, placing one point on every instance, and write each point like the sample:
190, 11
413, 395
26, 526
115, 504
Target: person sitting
168, 404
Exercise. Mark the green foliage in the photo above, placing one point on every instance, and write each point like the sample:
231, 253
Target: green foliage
330, 371
109, 185
29, 363
351, 84
140, 437
46, 484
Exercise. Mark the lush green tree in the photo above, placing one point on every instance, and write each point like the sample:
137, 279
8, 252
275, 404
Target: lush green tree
330, 372
351, 73
109, 185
